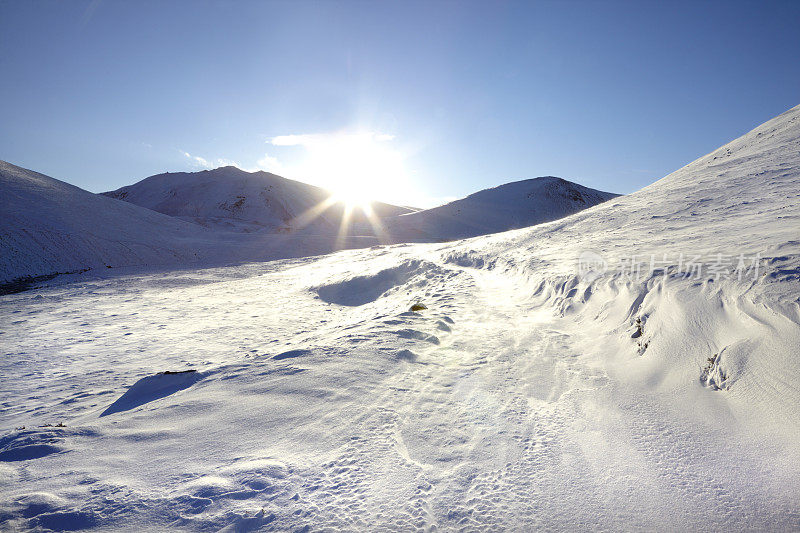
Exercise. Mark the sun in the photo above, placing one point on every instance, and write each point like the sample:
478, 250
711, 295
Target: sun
353, 198
358, 168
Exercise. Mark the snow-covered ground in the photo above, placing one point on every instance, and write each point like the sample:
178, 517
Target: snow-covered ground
549, 384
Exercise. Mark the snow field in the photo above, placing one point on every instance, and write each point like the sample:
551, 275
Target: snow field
525, 396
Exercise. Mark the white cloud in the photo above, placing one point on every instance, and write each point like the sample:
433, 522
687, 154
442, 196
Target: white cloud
201, 162
221, 162
269, 163
197, 160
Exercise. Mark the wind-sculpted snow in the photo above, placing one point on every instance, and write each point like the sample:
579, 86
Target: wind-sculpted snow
362, 289
524, 392
152, 388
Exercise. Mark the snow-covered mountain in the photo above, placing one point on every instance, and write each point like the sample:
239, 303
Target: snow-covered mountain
228, 215
48, 226
631, 367
510, 206
229, 198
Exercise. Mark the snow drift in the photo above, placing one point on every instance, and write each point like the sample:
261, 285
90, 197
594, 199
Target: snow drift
700, 274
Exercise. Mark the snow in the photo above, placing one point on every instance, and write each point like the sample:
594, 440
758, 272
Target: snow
528, 395
152, 388
49, 226
226, 216
232, 199
510, 206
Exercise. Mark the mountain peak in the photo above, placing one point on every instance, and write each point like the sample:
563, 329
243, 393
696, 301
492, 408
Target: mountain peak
508, 206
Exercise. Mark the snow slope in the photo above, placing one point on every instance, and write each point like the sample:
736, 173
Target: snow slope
510, 206
233, 199
49, 226
530, 394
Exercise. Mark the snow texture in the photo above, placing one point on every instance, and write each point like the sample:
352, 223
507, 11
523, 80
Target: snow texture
525, 396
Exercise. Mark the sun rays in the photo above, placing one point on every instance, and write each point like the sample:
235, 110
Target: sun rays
358, 167
351, 218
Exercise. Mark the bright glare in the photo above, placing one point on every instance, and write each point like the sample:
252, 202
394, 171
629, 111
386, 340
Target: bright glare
356, 167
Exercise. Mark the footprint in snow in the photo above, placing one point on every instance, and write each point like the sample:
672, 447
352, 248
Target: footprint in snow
441, 325
36, 443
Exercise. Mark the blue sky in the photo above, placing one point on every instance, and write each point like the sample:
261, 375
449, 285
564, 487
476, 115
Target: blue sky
442, 98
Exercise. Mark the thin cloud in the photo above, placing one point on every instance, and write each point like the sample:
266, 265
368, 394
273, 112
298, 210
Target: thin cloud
89, 11
221, 162
197, 160
269, 164
202, 162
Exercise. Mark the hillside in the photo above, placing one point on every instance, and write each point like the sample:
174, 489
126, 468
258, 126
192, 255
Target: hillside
228, 198
49, 227
510, 206
228, 215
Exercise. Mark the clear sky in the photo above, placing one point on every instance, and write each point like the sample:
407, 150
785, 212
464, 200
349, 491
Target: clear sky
419, 101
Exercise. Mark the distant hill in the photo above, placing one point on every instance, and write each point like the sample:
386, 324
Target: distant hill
514, 205
228, 215
229, 198
50, 227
